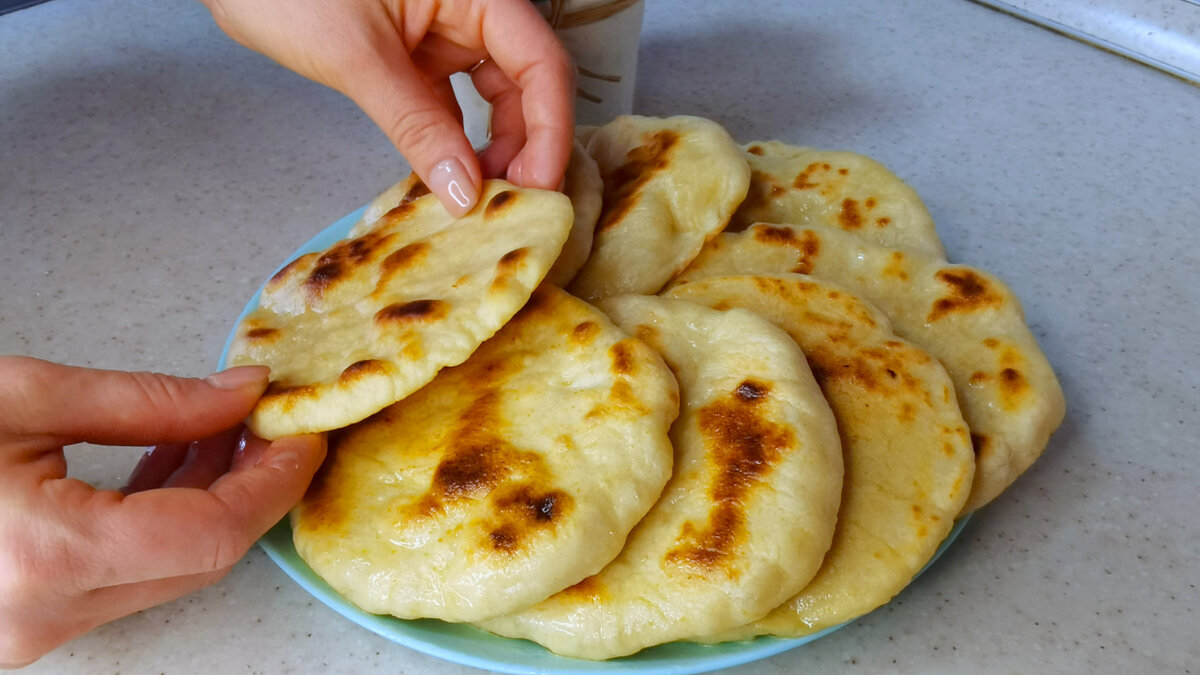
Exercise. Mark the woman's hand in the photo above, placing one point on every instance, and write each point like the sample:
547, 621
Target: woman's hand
394, 59
73, 557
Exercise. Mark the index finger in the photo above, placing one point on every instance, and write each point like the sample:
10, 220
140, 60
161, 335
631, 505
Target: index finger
525, 48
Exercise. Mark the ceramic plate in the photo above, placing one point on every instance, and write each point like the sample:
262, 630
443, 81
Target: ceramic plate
470, 646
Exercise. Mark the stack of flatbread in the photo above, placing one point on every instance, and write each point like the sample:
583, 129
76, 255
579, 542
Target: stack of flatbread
712, 392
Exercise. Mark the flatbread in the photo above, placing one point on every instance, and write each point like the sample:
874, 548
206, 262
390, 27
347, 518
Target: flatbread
669, 185
355, 328
749, 511
805, 186
402, 192
907, 452
581, 184
966, 318
507, 478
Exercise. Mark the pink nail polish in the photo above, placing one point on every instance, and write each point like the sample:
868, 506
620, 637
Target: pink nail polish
451, 183
516, 173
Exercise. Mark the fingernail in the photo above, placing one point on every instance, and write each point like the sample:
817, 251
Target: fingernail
516, 173
451, 183
238, 377
250, 450
288, 460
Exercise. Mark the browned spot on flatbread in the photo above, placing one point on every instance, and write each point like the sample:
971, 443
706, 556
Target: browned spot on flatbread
417, 191
590, 589
874, 369
844, 172
623, 185
405, 207
805, 243
968, 292
499, 202
648, 334
896, 266
802, 181
755, 150
405, 257
504, 538
775, 235
413, 311
521, 509
883, 222
623, 356
527, 503
478, 464
321, 278
361, 369
625, 397
749, 390
399, 212
1013, 387
981, 444
622, 400
510, 261
507, 268
262, 334
743, 447
475, 461
341, 262
584, 333
286, 395
850, 217
919, 516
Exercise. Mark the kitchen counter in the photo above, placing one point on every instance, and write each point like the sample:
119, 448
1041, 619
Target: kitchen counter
153, 172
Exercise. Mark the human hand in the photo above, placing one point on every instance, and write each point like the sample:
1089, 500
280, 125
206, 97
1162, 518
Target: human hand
73, 557
394, 59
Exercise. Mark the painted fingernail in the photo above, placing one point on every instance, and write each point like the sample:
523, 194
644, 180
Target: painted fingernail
238, 377
451, 183
516, 173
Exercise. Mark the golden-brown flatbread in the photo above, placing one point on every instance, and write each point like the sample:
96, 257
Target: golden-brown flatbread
357, 327
505, 479
805, 186
749, 511
964, 317
670, 184
906, 448
581, 184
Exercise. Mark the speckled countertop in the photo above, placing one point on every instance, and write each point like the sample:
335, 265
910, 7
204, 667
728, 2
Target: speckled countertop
152, 173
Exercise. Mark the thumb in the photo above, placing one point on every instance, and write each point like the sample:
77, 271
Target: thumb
113, 407
394, 94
